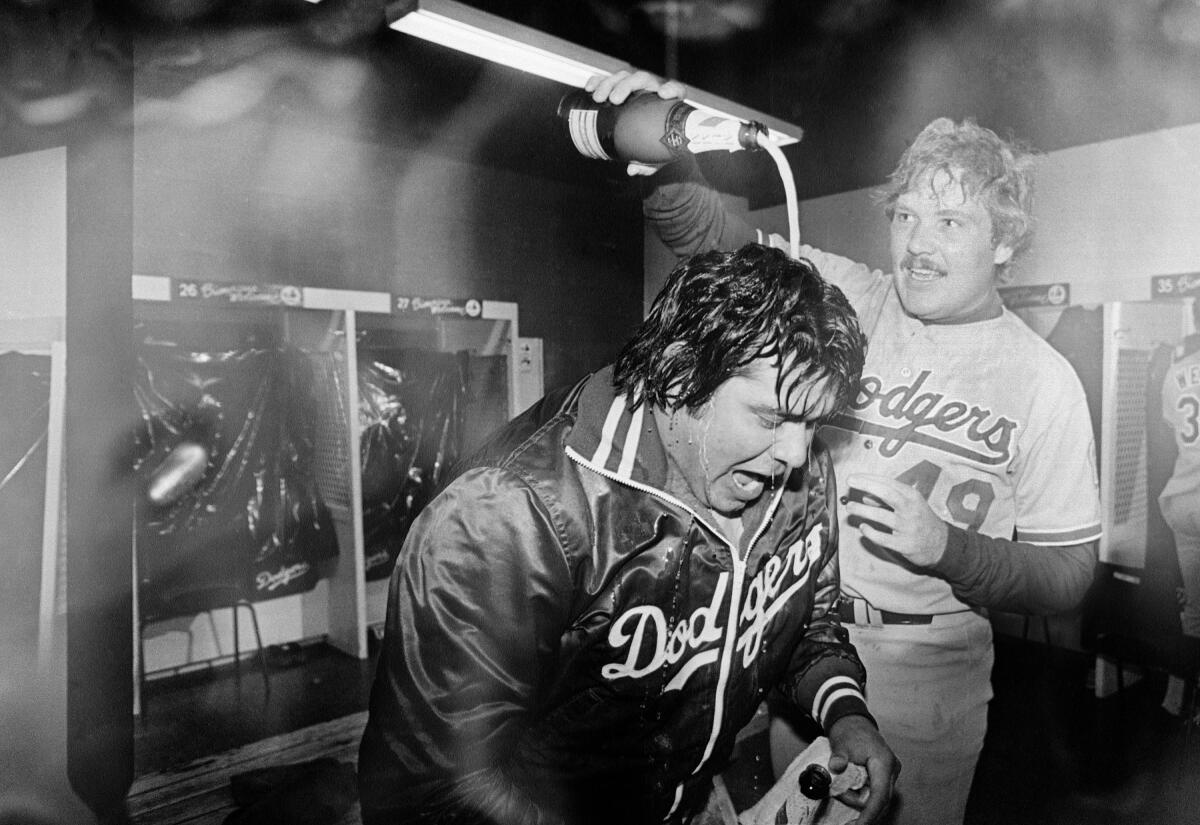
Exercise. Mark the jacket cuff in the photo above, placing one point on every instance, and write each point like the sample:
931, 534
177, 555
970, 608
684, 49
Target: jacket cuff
837, 693
839, 696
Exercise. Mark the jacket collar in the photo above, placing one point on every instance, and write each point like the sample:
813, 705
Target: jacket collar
607, 434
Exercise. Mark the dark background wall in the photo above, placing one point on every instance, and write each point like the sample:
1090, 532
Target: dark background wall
262, 156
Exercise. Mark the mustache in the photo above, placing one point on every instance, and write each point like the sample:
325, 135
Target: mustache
919, 262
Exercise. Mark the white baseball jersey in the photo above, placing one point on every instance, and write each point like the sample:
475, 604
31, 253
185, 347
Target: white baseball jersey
986, 419
1181, 409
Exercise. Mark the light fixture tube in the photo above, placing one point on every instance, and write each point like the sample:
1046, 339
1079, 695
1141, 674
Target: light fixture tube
466, 29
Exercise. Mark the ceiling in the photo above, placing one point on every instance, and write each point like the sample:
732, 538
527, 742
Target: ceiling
861, 77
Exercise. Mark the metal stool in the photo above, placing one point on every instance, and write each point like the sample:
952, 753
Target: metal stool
205, 601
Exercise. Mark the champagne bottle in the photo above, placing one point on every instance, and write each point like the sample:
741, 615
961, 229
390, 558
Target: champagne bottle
815, 782
648, 129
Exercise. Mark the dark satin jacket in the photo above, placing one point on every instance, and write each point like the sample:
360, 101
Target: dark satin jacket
568, 643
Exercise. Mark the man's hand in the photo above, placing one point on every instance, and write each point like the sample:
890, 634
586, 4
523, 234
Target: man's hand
909, 527
618, 86
855, 739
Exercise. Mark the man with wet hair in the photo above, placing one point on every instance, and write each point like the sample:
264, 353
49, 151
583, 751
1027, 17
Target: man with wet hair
965, 463
581, 623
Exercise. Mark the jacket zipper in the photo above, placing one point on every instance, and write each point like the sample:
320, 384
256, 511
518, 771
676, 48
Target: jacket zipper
739, 575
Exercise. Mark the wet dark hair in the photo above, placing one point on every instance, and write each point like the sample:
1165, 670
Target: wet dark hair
719, 311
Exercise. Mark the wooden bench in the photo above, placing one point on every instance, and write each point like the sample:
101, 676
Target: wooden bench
198, 793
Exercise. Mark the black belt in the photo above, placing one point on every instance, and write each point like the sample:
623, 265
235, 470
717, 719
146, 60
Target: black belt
869, 615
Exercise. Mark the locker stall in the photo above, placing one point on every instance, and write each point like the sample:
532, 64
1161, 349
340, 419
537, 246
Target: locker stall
396, 389
1110, 346
1129, 615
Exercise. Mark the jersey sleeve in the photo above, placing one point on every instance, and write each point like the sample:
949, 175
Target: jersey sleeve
688, 215
1057, 487
1015, 576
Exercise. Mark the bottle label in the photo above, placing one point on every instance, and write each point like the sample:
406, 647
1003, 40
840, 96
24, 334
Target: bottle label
675, 136
582, 124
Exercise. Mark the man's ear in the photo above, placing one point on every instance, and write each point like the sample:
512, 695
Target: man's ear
1002, 254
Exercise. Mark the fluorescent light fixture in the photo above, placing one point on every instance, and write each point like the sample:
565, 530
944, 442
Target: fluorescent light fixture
466, 29
493, 38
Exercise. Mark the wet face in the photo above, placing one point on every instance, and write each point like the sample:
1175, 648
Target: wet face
744, 441
943, 254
